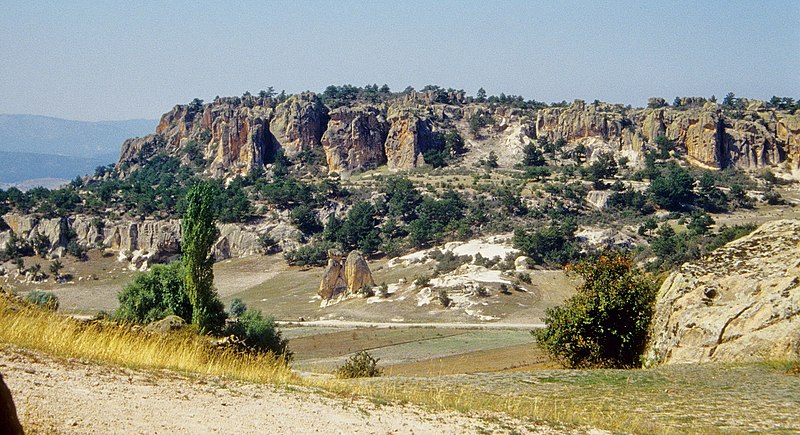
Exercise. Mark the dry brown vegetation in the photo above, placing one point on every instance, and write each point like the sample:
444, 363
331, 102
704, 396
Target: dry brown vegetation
36, 329
681, 398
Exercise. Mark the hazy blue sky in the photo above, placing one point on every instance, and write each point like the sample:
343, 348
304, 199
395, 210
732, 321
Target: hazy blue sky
135, 59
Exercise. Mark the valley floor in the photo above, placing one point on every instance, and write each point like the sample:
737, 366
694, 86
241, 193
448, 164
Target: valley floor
70, 396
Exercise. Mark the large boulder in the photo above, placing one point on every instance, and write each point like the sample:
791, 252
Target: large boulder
739, 303
9, 422
333, 282
167, 324
356, 272
343, 278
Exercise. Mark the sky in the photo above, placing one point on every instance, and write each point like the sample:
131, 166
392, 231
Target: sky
112, 60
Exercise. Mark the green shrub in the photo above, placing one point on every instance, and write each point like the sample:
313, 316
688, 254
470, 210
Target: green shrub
238, 307
366, 291
554, 245
259, 333
154, 295
313, 254
305, 219
605, 324
444, 298
43, 299
673, 188
268, 244
77, 250
360, 365
448, 261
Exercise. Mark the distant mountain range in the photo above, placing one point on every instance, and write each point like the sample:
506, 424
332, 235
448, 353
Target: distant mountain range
33, 146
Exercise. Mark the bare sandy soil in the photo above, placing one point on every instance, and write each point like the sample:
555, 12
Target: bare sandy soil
68, 396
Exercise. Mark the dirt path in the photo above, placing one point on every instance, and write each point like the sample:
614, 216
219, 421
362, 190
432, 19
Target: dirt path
76, 397
357, 324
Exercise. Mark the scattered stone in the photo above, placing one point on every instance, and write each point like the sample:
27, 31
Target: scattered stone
167, 324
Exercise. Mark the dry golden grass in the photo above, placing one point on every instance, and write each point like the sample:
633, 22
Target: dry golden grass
48, 332
562, 400
509, 358
44, 331
567, 413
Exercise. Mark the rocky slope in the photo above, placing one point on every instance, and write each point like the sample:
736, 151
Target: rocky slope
235, 135
739, 303
142, 242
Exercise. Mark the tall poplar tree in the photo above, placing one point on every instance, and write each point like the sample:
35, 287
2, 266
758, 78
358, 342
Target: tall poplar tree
199, 234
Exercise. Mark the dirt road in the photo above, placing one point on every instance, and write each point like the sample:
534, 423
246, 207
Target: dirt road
356, 324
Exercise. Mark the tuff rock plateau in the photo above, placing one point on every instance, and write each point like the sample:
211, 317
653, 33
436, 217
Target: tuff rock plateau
238, 134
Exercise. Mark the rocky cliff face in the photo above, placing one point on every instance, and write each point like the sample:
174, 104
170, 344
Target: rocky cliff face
408, 137
232, 135
299, 123
710, 138
235, 135
739, 303
355, 139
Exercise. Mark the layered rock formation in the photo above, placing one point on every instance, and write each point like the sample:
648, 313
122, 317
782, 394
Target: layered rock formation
739, 303
343, 279
144, 242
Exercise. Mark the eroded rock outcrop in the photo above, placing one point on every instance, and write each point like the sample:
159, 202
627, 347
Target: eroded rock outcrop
344, 277
333, 282
231, 136
356, 272
712, 138
739, 303
299, 123
355, 139
409, 136
240, 139
788, 132
144, 242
